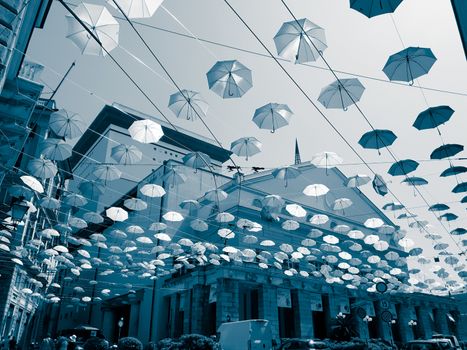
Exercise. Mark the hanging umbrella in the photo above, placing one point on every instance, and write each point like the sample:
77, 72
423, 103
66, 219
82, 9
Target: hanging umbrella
341, 94
315, 190
50, 203
453, 171
100, 22
174, 177
438, 207
341, 204
229, 79
372, 8
246, 147
446, 151
272, 116
116, 214
32, 183
464, 200
66, 124
20, 191
137, 8
126, 154
188, 105
300, 41
326, 160
458, 231
459, 188
55, 149
433, 117
415, 181
448, 217
286, 173
152, 190
393, 206
190, 205
91, 189
42, 168
272, 201
197, 160
75, 200
146, 131
403, 167
215, 196
199, 225
409, 64
377, 139
295, 210
93, 217
172, 216
107, 172
357, 181
373, 223
319, 219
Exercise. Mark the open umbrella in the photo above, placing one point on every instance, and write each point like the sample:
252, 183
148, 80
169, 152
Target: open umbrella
377, 139
137, 8
197, 160
32, 183
403, 167
173, 177
75, 200
246, 147
379, 185
66, 124
55, 149
315, 190
50, 203
446, 151
286, 173
300, 41
126, 154
145, 131
341, 204
372, 8
438, 207
42, 168
229, 79
272, 116
107, 172
326, 160
459, 188
433, 117
100, 22
415, 181
135, 204
409, 64
152, 190
341, 94
116, 214
448, 217
454, 170
188, 105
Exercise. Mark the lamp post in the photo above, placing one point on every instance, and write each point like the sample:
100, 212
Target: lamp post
120, 325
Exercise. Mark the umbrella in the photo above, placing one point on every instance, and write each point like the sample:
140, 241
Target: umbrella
300, 41
319, 219
272, 201
315, 190
145, 131
373, 223
246, 147
458, 231
464, 200
446, 151
341, 204
152, 190
415, 181
295, 210
393, 206
137, 8
91, 189
66, 124
448, 217
272, 116
100, 22
50, 203
190, 205
372, 8
93, 217
377, 139
286, 173
326, 160
216, 195
55, 149
453, 171
403, 167
229, 79
198, 225
341, 94
172, 216
438, 207
357, 181
433, 117
126, 154
409, 64
188, 104
42, 168
173, 177
197, 160
459, 188
32, 183
75, 200
107, 172
116, 214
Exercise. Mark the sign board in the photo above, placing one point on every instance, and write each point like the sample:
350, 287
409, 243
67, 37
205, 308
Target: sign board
283, 298
212, 293
316, 302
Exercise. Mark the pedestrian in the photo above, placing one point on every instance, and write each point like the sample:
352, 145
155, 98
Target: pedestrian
47, 343
72, 342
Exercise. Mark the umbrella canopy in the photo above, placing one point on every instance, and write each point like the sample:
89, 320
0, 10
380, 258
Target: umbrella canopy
315, 190
174, 177
272, 116
459, 188
446, 151
145, 131
438, 207
286, 173
229, 79
458, 231
377, 139
448, 217
454, 170
152, 190
433, 117
372, 8
137, 8
188, 105
75, 200
50, 203
295, 210
116, 214
357, 180
403, 167
341, 94
32, 183
246, 147
300, 41
415, 181
55, 149
42, 168
126, 154
216, 195
326, 160
107, 172
341, 204
100, 22
409, 64
197, 160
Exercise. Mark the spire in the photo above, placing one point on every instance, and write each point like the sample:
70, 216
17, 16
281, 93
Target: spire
297, 153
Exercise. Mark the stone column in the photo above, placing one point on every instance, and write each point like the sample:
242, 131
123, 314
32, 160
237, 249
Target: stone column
424, 321
384, 328
462, 326
441, 322
227, 301
405, 314
133, 322
268, 308
108, 322
198, 308
304, 314
361, 327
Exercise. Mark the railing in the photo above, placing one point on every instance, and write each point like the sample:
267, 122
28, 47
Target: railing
31, 71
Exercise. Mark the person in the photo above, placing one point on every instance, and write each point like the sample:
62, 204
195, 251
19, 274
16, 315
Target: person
12, 343
47, 343
62, 343
95, 343
72, 342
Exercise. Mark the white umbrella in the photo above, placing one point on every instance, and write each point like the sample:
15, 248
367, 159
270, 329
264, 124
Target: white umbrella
67, 124
116, 214
373, 223
290, 225
137, 8
216, 195
199, 225
326, 160
107, 172
272, 116
319, 219
152, 190
100, 22
145, 131
42, 168
355, 234
188, 105
331, 239
246, 147
93, 217
173, 216
341, 204
126, 154
135, 204
357, 180
32, 183
295, 210
56, 149
315, 190
406, 242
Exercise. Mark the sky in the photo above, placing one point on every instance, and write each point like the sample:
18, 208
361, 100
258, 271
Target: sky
356, 46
